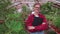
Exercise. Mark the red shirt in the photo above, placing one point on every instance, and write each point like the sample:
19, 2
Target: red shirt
41, 27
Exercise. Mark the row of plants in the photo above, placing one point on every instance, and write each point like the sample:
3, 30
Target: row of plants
51, 13
13, 22
3, 14
53, 16
3, 9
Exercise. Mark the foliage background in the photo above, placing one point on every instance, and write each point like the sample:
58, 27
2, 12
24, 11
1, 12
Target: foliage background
51, 13
14, 22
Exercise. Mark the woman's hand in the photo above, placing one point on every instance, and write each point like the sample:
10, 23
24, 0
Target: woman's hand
31, 27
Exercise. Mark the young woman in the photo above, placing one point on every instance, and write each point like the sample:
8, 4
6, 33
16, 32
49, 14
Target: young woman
36, 22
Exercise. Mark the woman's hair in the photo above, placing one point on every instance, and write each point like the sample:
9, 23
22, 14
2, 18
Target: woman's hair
37, 4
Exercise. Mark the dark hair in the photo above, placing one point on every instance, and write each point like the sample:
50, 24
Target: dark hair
37, 4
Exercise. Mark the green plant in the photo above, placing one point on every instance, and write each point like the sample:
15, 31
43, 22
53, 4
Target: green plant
57, 22
51, 32
15, 23
3, 14
3, 9
26, 11
51, 13
3, 29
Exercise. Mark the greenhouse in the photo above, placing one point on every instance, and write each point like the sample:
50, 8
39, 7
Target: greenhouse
13, 14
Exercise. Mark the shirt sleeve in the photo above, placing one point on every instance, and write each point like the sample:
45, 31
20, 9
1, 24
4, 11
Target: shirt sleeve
28, 21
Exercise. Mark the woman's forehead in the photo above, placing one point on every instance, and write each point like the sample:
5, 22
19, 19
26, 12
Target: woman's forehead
37, 5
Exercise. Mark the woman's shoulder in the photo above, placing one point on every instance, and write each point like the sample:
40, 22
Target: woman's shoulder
30, 15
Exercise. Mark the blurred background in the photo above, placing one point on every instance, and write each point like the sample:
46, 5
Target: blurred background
14, 12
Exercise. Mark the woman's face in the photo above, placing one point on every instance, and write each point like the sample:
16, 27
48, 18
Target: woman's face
36, 8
